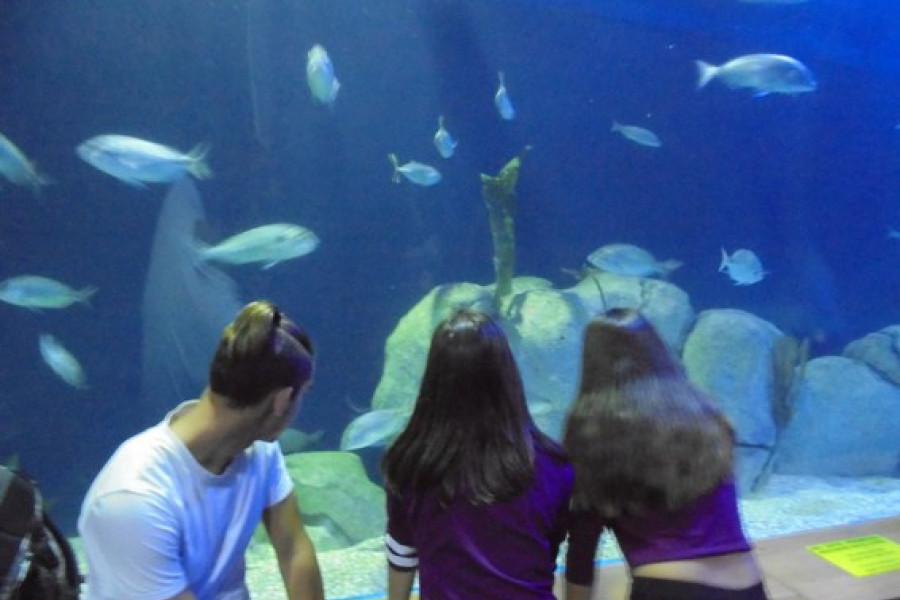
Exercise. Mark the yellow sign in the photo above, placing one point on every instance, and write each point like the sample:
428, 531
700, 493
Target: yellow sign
861, 556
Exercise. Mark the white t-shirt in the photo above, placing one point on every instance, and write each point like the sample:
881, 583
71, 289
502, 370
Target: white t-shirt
155, 522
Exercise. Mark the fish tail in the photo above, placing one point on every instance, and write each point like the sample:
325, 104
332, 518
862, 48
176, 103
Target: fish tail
84, 294
198, 166
616, 126
724, 262
396, 176
38, 180
670, 265
705, 72
441, 122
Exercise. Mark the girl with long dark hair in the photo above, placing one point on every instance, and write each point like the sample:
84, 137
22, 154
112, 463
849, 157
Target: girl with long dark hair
477, 496
653, 464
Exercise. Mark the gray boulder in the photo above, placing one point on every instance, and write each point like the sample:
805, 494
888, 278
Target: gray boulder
880, 351
544, 326
845, 422
338, 502
730, 354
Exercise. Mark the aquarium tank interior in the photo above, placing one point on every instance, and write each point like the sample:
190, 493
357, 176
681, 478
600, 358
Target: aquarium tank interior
729, 167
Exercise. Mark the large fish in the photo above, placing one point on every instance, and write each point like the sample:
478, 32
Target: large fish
268, 244
136, 161
763, 73
320, 77
17, 168
186, 304
374, 428
36, 292
61, 361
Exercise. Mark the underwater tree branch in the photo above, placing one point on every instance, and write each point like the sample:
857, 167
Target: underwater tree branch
499, 194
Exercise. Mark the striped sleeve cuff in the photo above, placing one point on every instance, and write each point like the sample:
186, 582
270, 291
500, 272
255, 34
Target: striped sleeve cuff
402, 558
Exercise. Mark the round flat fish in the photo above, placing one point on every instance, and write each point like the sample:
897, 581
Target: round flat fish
630, 261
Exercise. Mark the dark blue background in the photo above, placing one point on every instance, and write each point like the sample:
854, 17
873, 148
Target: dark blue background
808, 182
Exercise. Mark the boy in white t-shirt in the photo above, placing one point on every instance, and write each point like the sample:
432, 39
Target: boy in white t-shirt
170, 515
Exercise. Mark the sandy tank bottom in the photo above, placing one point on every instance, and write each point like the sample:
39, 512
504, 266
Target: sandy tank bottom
786, 505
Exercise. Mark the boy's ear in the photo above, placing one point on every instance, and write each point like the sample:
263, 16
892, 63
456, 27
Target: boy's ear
281, 401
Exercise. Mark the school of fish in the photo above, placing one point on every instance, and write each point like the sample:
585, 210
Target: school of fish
138, 162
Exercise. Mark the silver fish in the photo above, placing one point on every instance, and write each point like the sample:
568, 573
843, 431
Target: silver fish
36, 292
294, 440
17, 168
630, 261
416, 172
61, 361
374, 428
743, 266
763, 73
502, 101
269, 244
320, 76
443, 141
639, 135
136, 161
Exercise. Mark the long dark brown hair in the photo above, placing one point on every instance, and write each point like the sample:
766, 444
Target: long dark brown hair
261, 351
470, 433
641, 436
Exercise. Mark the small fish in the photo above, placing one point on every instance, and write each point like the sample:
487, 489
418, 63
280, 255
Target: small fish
502, 101
36, 292
61, 361
135, 161
18, 169
742, 266
374, 428
269, 244
763, 73
320, 76
414, 171
638, 135
444, 143
294, 440
630, 261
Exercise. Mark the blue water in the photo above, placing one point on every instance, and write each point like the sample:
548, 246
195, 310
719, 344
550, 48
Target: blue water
809, 182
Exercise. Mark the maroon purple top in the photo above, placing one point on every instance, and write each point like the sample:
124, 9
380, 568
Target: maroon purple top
709, 527
503, 551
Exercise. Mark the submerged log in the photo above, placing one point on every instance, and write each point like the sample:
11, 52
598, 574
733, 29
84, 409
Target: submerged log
499, 194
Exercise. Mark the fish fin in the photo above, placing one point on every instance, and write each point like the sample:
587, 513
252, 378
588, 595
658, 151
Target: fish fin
724, 262
185, 306
705, 72
84, 294
667, 266
441, 122
39, 181
135, 183
198, 166
761, 94
269, 265
616, 126
396, 176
